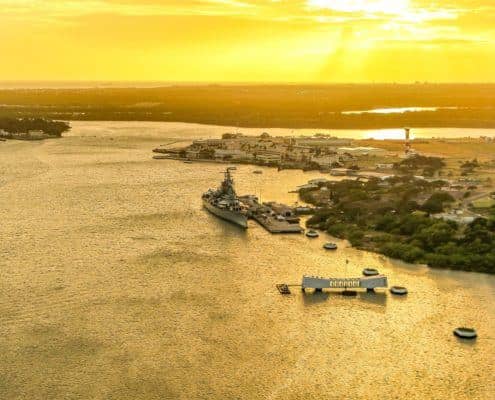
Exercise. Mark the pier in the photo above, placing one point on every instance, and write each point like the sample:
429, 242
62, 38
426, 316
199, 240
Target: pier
274, 217
318, 283
273, 225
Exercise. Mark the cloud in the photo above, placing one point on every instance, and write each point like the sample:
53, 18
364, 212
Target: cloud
259, 8
241, 39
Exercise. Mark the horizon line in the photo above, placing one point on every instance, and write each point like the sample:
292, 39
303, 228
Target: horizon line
18, 84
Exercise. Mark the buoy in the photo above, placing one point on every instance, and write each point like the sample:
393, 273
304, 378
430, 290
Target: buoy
312, 234
330, 246
400, 290
465, 333
370, 272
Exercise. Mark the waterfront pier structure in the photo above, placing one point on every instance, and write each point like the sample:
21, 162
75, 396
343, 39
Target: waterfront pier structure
370, 283
365, 282
274, 217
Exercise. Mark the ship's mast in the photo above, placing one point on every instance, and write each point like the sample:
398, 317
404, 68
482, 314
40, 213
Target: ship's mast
228, 183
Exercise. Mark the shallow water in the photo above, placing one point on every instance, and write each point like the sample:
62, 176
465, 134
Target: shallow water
115, 284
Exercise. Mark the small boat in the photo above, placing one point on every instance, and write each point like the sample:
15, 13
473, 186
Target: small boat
400, 290
312, 234
330, 246
188, 162
283, 288
465, 333
370, 272
259, 172
160, 157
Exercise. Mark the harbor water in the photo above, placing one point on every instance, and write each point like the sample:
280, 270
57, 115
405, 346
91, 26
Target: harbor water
116, 284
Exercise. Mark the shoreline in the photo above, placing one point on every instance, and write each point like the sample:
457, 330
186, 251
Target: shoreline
292, 126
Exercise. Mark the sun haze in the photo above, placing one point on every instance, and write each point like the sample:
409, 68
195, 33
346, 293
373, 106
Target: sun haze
248, 40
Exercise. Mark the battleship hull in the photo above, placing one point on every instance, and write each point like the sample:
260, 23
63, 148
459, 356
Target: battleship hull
231, 216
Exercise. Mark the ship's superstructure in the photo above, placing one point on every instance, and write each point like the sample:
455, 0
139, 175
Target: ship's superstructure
224, 203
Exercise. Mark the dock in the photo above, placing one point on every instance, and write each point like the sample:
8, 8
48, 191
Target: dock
370, 283
273, 225
274, 217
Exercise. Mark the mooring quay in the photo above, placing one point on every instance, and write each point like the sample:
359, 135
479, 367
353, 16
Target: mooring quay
274, 217
318, 283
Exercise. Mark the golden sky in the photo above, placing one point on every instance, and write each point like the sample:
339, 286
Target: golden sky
248, 40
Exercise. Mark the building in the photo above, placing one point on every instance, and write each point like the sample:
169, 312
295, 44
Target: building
326, 161
36, 134
323, 141
223, 154
342, 172
455, 217
208, 144
192, 153
298, 153
384, 166
268, 156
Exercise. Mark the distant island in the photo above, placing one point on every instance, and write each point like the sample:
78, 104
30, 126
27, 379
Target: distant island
31, 128
366, 106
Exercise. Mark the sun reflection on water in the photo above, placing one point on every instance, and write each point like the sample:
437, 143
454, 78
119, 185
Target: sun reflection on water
387, 134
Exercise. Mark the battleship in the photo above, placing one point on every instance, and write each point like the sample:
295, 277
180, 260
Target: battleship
224, 203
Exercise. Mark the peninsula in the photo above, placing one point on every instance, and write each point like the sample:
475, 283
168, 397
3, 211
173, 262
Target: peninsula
437, 222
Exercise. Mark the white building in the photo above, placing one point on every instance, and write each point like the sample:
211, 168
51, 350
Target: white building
342, 172
223, 154
459, 218
268, 156
384, 166
325, 160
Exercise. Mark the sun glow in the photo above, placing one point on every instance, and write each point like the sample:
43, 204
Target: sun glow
368, 6
248, 40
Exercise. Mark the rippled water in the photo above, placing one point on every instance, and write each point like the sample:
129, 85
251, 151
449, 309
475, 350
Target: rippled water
115, 284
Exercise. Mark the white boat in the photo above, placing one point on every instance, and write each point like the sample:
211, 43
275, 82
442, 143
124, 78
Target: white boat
330, 246
370, 272
312, 234
465, 333
400, 290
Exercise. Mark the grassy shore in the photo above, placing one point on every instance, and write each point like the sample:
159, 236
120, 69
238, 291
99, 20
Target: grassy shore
394, 217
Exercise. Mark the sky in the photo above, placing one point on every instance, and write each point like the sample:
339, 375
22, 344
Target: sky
300, 41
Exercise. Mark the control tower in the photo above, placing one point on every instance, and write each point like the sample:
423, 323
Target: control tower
408, 149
